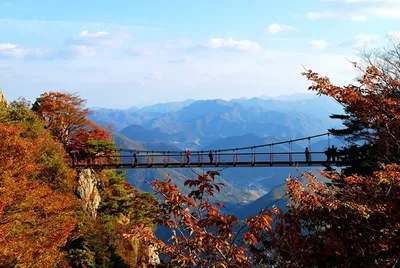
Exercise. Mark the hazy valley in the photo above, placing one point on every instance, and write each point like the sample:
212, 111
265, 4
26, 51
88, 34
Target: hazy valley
219, 124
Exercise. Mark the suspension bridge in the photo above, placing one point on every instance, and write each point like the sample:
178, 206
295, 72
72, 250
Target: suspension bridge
278, 154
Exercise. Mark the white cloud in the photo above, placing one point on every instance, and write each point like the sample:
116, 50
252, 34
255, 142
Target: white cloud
318, 44
86, 34
141, 82
98, 38
240, 45
8, 50
156, 76
359, 40
14, 51
277, 28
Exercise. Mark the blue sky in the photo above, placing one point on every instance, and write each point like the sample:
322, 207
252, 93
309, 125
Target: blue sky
129, 53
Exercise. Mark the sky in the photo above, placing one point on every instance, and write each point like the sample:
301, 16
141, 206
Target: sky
126, 53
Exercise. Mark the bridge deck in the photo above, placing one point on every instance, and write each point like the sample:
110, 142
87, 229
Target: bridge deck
202, 160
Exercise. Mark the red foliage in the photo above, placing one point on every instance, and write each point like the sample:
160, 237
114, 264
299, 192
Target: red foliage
66, 117
201, 234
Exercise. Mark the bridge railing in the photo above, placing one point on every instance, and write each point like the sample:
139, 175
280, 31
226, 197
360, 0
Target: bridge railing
200, 159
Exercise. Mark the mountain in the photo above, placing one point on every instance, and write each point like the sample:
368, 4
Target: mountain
251, 140
275, 197
315, 107
195, 124
119, 119
220, 124
164, 107
213, 119
126, 143
138, 133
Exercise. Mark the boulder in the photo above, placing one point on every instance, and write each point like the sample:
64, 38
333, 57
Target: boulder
2, 98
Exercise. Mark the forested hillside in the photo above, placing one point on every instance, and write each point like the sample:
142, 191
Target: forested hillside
52, 215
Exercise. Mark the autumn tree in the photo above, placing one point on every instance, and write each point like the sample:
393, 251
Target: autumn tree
376, 139
42, 222
65, 116
36, 217
98, 241
355, 225
355, 220
202, 236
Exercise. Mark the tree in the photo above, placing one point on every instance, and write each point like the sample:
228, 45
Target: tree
98, 241
355, 220
50, 157
386, 59
355, 225
375, 136
65, 116
202, 235
35, 221
41, 222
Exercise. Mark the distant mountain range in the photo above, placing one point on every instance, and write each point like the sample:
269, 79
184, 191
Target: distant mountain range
195, 124
219, 124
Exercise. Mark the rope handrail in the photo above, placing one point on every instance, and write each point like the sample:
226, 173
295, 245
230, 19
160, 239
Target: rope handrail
205, 154
230, 149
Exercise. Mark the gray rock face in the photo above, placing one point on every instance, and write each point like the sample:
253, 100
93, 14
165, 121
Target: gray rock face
142, 254
87, 191
154, 259
2, 98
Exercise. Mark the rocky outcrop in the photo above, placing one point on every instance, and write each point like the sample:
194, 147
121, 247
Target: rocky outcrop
154, 258
87, 191
138, 254
2, 98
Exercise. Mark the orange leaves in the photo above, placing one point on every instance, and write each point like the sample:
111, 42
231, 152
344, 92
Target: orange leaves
17, 155
65, 116
336, 224
258, 227
204, 184
35, 223
35, 219
374, 103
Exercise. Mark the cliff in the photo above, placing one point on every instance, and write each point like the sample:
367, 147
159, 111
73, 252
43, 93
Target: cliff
2, 98
87, 191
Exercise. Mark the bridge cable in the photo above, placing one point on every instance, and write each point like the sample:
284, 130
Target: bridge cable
329, 140
271, 155
240, 148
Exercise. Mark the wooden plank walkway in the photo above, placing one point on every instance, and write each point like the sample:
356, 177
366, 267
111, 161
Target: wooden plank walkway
165, 160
